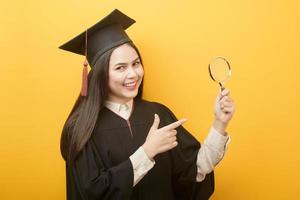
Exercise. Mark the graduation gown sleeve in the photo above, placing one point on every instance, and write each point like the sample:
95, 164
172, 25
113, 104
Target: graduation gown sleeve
184, 168
90, 179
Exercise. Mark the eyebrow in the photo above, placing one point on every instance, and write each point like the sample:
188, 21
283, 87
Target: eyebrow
126, 63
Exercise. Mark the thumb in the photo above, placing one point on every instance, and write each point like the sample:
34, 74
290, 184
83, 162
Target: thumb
155, 123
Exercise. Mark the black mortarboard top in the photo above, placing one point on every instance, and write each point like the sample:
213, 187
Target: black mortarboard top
106, 34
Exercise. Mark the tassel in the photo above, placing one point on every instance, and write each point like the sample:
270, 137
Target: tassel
84, 85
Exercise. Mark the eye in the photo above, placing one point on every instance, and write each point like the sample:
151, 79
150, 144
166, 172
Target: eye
136, 63
120, 68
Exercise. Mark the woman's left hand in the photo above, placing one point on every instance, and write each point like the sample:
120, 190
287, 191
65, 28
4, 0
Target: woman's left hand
224, 110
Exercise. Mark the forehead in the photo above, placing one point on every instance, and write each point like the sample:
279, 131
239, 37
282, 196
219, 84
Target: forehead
123, 53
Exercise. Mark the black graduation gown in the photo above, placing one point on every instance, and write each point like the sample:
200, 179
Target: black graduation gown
103, 169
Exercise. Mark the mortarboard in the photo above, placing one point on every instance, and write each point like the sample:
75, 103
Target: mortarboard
108, 33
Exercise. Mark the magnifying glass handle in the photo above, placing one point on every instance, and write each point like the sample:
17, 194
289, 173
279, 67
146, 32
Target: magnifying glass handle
222, 87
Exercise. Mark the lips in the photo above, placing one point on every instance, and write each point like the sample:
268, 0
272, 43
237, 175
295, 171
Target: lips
130, 84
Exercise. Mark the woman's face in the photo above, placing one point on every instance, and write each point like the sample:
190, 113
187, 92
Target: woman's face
125, 74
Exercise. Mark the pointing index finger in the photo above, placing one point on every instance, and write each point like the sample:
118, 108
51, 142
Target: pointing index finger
174, 124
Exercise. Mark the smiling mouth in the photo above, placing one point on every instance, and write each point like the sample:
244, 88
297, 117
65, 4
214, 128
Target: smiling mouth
131, 84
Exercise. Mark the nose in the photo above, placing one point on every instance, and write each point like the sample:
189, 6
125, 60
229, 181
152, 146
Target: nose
131, 72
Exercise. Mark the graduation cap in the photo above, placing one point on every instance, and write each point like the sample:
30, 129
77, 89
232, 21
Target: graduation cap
108, 33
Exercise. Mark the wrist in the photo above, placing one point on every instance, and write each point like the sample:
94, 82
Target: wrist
148, 151
220, 126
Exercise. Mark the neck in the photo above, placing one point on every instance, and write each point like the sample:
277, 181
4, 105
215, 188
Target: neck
120, 101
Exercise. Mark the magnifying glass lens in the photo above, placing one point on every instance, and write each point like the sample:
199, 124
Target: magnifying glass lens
219, 70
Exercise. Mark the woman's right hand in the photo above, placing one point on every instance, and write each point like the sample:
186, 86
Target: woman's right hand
161, 140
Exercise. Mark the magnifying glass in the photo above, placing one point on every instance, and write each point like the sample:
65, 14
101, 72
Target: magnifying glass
219, 70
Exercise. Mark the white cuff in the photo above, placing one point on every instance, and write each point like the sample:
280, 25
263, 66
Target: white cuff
141, 164
217, 141
211, 153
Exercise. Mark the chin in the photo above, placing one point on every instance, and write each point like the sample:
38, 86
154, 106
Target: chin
130, 96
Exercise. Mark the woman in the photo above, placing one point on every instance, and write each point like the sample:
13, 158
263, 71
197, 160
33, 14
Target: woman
117, 145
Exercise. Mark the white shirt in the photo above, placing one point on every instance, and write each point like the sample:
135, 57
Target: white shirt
210, 153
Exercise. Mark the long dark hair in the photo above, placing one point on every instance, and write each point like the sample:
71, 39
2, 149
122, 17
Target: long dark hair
81, 121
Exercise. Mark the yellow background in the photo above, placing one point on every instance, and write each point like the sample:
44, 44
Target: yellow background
39, 84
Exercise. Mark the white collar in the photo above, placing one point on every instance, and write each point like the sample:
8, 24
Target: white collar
123, 110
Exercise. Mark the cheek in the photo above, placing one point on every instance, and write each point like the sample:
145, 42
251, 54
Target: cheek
114, 80
140, 72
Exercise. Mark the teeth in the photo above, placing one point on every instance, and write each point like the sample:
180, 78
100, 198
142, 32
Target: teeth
130, 84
